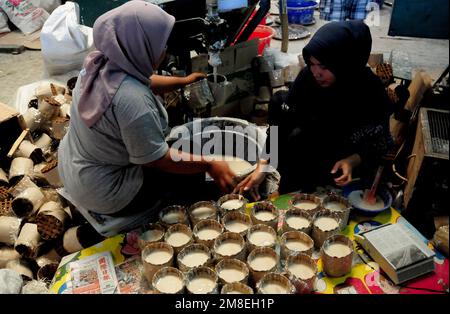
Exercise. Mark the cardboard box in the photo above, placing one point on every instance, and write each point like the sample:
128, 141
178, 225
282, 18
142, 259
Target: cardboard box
238, 58
245, 53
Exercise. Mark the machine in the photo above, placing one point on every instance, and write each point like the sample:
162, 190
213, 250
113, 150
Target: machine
205, 27
201, 25
209, 27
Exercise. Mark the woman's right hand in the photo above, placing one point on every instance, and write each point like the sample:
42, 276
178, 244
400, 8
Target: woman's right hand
222, 175
251, 183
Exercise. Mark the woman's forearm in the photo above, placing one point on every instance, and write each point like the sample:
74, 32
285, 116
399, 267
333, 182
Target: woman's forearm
164, 84
180, 163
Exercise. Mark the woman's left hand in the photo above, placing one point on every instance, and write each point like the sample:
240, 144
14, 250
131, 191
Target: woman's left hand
346, 165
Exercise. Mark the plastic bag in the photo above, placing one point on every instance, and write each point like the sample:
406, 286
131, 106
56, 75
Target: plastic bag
24, 15
3, 22
65, 43
280, 59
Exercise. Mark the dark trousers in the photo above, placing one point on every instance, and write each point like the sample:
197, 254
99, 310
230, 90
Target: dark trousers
168, 189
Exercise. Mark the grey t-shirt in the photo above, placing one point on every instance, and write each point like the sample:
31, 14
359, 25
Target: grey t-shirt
101, 166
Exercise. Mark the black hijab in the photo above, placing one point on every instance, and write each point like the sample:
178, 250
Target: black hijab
343, 47
331, 115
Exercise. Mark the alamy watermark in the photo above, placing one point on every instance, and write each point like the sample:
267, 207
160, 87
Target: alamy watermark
214, 143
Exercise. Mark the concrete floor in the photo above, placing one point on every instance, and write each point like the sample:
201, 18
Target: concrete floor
428, 54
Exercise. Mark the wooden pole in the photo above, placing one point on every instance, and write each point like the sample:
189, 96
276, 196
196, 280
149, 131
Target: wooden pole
284, 26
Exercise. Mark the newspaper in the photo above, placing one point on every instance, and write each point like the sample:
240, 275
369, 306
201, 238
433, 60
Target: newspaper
94, 275
399, 245
130, 279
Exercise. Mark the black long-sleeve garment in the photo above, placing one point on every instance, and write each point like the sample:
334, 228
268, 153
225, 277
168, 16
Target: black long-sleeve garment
324, 125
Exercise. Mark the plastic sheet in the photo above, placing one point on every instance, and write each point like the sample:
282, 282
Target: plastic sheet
280, 59
198, 95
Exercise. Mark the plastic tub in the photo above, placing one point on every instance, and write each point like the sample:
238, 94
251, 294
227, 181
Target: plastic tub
265, 35
301, 12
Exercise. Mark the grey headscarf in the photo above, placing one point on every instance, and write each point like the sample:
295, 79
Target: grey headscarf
130, 40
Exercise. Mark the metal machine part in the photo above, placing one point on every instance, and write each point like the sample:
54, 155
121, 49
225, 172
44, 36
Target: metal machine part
216, 32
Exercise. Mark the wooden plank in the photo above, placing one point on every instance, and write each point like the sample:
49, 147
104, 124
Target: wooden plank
414, 164
17, 142
16, 41
284, 27
23, 125
419, 85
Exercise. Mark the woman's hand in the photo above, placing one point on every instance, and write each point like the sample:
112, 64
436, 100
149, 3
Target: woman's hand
165, 84
252, 182
346, 165
194, 77
222, 175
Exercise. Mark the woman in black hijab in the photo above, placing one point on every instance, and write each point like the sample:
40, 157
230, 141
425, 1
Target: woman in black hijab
335, 118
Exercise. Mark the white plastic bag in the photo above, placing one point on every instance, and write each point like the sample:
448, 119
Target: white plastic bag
65, 43
47, 5
280, 59
3, 22
24, 15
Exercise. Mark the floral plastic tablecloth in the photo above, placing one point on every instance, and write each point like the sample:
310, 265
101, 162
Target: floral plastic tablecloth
365, 277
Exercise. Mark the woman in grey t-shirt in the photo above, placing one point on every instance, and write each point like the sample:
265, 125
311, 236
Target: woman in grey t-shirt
114, 157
